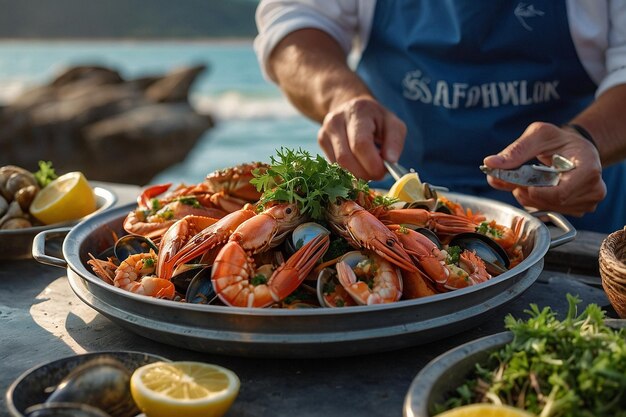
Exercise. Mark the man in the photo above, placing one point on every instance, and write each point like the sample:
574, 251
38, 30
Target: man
461, 81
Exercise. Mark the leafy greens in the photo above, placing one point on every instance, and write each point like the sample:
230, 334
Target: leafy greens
45, 175
575, 367
312, 182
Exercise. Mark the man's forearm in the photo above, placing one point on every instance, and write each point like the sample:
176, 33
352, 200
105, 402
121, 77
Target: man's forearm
606, 122
311, 68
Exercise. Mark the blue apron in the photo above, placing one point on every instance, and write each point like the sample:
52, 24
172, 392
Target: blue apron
467, 79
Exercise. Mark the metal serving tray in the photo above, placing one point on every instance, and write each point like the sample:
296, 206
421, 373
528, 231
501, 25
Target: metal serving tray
300, 332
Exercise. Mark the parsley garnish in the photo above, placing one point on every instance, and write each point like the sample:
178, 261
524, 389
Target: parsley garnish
337, 247
453, 254
296, 176
189, 201
571, 367
488, 229
258, 279
46, 173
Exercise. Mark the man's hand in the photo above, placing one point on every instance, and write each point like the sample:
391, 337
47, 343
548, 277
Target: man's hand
579, 190
359, 134
357, 131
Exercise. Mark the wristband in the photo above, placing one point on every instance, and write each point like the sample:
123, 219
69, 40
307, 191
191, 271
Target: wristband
582, 132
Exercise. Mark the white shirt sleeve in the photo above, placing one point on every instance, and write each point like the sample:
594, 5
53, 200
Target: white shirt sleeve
598, 30
341, 19
616, 51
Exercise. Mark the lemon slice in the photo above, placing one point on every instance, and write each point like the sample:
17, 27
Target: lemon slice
68, 197
485, 410
165, 389
408, 188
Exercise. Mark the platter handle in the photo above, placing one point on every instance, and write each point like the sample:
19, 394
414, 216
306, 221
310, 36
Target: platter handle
39, 246
569, 232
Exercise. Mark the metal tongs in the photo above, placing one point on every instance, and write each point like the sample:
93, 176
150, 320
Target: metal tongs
533, 175
397, 171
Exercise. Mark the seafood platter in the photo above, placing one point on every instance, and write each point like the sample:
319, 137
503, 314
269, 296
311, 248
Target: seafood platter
297, 258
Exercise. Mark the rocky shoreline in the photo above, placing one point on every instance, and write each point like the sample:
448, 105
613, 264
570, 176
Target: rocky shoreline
90, 119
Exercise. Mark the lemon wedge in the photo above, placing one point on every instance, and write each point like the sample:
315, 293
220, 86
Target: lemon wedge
408, 188
68, 197
191, 389
485, 410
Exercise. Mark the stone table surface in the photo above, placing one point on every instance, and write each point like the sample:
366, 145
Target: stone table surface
41, 320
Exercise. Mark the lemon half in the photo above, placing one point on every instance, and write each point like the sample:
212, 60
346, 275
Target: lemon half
191, 389
68, 197
408, 188
485, 410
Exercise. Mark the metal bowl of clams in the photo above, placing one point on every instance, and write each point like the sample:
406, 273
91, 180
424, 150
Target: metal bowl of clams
93, 384
16, 243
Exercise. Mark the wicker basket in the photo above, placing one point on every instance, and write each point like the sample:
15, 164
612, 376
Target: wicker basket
613, 270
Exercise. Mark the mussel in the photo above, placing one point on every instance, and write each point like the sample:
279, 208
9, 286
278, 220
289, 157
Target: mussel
200, 289
103, 382
133, 244
432, 236
495, 257
303, 234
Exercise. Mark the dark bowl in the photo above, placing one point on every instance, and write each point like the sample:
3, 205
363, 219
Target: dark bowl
447, 372
30, 388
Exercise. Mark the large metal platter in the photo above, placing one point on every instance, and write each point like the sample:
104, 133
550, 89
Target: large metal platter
304, 332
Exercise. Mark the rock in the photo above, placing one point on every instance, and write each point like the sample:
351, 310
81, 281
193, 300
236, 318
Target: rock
90, 119
158, 132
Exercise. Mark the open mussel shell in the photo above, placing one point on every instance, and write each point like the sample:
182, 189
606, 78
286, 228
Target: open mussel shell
131, 245
103, 382
303, 234
64, 410
432, 236
184, 274
495, 257
327, 276
200, 290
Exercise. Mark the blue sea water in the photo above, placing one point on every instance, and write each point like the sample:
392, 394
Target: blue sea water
253, 117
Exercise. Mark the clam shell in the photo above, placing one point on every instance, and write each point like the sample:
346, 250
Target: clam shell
303, 234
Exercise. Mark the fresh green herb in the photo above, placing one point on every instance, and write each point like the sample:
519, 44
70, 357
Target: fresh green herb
453, 254
46, 174
485, 228
383, 200
336, 248
166, 214
148, 263
155, 205
258, 279
189, 201
300, 295
574, 367
296, 176
329, 287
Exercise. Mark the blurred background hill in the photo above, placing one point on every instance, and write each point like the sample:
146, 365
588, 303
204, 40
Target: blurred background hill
117, 19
